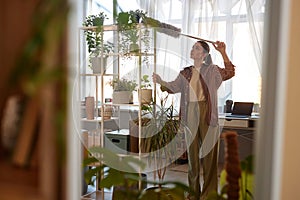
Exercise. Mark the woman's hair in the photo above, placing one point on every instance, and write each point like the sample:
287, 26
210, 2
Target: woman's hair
206, 48
204, 45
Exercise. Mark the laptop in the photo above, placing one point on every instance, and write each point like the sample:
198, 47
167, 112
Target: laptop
241, 110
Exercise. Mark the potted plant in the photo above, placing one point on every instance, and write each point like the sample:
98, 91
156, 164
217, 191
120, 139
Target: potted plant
98, 49
160, 131
160, 137
129, 33
137, 16
128, 23
122, 90
97, 56
158, 134
125, 182
145, 90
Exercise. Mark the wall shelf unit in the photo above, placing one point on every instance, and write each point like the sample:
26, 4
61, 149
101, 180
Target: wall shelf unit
120, 65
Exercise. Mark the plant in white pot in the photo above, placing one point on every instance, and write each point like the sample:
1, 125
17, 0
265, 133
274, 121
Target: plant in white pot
122, 90
97, 48
145, 90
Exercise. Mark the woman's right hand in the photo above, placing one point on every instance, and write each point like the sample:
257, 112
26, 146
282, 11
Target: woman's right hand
156, 78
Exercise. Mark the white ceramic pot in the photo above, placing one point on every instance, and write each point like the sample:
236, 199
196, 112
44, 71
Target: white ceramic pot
120, 97
134, 48
96, 65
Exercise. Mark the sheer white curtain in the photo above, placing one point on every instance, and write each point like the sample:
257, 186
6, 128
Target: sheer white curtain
239, 23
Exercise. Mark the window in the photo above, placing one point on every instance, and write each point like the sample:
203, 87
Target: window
240, 25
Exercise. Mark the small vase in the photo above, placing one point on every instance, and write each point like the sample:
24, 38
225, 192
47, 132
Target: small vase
90, 107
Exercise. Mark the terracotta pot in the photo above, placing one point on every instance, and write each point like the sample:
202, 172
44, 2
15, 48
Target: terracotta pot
146, 95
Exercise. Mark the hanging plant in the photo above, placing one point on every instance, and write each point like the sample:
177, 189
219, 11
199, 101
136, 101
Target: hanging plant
94, 36
128, 23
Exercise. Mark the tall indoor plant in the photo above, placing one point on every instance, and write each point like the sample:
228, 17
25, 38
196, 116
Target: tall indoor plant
158, 135
161, 133
161, 130
98, 49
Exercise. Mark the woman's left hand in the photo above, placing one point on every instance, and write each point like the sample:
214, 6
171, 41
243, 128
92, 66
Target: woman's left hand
221, 47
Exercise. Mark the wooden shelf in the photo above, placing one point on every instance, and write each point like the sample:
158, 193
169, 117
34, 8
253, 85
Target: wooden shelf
98, 119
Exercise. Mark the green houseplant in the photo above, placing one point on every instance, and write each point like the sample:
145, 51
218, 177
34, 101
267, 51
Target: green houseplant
128, 23
160, 136
127, 179
161, 130
122, 90
97, 48
137, 16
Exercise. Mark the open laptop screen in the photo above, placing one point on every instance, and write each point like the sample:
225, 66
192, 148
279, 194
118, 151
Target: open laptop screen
242, 108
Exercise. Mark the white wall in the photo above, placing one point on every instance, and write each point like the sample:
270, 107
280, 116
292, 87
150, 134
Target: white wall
290, 181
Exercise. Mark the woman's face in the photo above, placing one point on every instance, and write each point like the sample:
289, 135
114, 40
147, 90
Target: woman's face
197, 52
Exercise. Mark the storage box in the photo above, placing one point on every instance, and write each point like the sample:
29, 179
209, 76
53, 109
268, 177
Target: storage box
117, 141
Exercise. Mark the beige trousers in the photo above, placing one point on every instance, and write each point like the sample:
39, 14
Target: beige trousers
203, 146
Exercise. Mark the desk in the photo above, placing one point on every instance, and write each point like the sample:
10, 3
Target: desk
248, 123
245, 127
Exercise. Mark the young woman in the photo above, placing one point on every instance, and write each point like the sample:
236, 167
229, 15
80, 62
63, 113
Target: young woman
198, 85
